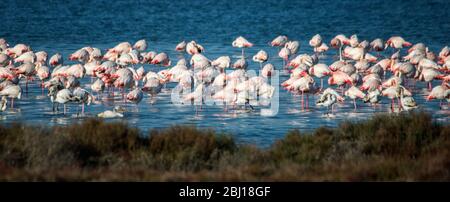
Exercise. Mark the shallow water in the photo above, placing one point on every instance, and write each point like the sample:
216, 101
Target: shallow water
58, 26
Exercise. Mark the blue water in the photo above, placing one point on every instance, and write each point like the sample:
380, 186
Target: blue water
65, 26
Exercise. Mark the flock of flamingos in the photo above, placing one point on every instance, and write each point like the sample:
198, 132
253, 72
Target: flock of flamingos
359, 73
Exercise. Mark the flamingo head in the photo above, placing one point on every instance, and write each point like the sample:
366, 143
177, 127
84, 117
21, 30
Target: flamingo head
386, 45
331, 81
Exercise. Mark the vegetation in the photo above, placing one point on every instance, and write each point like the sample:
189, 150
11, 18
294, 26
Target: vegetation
405, 147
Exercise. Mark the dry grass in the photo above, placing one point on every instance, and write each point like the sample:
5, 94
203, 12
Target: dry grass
406, 147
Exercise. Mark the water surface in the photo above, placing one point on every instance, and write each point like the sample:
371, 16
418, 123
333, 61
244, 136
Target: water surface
65, 26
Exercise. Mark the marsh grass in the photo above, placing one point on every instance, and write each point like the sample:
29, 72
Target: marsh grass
405, 147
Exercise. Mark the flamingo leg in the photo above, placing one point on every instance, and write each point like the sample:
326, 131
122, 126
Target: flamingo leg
392, 105
65, 110
82, 108
429, 86
12, 103
307, 101
321, 84
354, 104
42, 87
302, 101
26, 84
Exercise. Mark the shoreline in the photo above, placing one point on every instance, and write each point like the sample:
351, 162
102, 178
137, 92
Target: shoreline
405, 147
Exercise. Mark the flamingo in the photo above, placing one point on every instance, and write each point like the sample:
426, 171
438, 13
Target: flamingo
354, 93
148, 57
193, 48
355, 53
135, 96
428, 75
303, 59
279, 41
315, 42
152, 84
81, 55
372, 97
320, 71
338, 42
27, 70
340, 78
125, 59
293, 46
27, 57
407, 102
124, 80
393, 92
196, 96
62, 96
199, 61
362, 65
17, 50
284, 54
377, 45
241, 42
303, 84
140, 45
440, 92
261, 57
123, 47
328, 98
13, 92
98, 86
240, 64
161, 59
322, 48
221, 63
82, 96
56, 60
41, 58
181, 47
43, 72
95, 54
397, 42
268, 70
